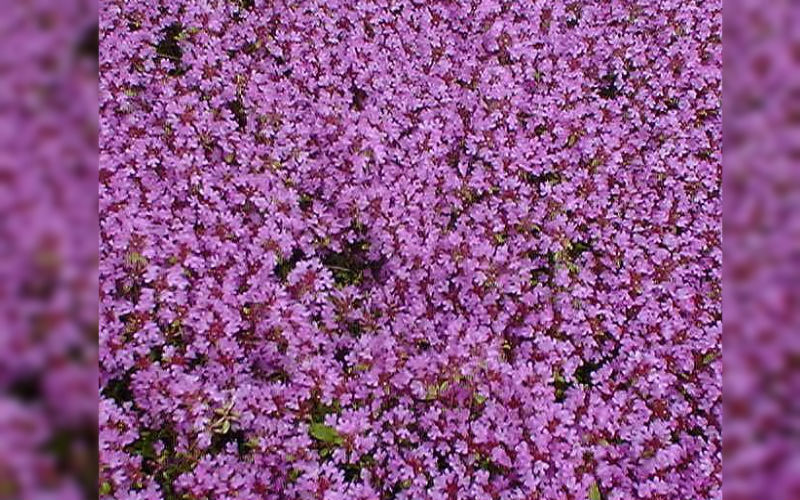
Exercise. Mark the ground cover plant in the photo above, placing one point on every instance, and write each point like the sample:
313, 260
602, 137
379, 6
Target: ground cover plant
410, 250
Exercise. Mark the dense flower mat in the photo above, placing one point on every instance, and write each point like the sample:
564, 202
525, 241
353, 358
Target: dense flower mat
412, 250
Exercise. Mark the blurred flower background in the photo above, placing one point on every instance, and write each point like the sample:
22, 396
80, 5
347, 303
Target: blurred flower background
48, 250
761, 292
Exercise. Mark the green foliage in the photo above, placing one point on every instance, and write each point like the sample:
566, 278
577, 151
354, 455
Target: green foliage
560, 385
583, 374
594, 492
165, 467
105, 488
119, 389
551, 177
324, 433
484, 462
710, 357
135, 261
352, 471
351, 265
320, 410
168, 48
293, 475
285, 266
236, 107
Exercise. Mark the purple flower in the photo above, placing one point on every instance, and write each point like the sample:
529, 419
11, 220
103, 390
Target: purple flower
369, 250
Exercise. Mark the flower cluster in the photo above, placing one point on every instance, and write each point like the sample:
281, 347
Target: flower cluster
393, 249
48, 250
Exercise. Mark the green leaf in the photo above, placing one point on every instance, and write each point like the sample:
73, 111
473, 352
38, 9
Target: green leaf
293, 475
105, 488
431, 392
135, 259
572, 139
708, 358
594, 492
324, 433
